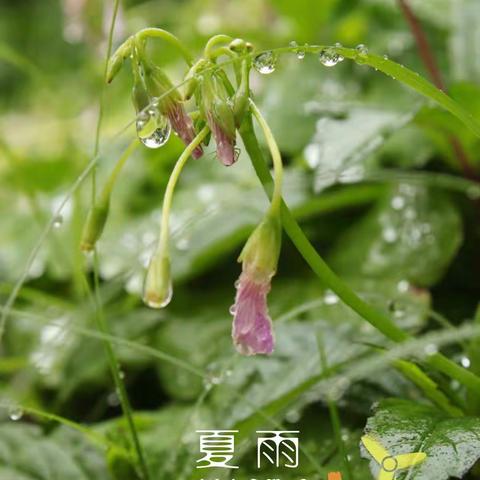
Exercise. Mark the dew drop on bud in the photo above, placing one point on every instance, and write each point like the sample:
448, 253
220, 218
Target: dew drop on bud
329, 57
157, 302
153, 129
265, 63
15, 413
58, 221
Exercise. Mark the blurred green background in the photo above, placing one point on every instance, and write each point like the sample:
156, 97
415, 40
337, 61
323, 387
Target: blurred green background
371, 176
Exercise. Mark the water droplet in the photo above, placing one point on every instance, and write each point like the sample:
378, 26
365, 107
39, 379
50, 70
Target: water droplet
465, 361
330, 298
265, 63
58, 221
113, 399
389, 234
293, 44
329, 57
154, 303
15, 413
361, 53
430, 349
232, 309
121, 374
398, 202
403, 286
385, 57
361, 49
338, 389
183, 244
293, 416
153, 129
473, 192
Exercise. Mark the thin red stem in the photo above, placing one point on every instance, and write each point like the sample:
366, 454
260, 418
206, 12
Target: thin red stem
430, 63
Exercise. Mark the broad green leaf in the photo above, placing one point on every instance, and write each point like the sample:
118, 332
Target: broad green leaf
411, 235
342, 148
27, 454
452, 445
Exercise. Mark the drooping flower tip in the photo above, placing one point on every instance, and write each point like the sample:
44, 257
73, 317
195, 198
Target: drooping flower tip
183, 126
158, 291
225, 143
252, 330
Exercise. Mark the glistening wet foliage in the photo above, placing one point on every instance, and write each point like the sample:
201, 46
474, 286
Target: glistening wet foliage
380, 170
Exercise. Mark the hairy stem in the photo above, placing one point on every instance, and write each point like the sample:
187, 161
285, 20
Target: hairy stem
375, 317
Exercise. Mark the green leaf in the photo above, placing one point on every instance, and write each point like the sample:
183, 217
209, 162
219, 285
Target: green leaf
27, 454
452, 445
342, 148
412, 234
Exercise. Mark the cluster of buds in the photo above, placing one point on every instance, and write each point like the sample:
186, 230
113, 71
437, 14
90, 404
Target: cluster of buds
222, 107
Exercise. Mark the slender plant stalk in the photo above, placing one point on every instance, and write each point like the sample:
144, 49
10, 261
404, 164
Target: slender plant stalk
98, 314
376, 318
108, 187
334, 414
172, 181
276, 157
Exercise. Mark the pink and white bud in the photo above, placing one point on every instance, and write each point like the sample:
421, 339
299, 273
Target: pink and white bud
252, 330
225, 143
182, 124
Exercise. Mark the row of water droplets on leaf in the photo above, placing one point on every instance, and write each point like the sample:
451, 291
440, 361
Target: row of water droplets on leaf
265, 62
153, 128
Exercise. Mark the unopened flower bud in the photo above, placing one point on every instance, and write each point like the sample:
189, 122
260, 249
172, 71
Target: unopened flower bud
116, 61
93, 229
170, 104
218, 111
157, 291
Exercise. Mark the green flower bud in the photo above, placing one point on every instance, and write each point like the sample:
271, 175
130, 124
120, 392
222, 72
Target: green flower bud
157, 291
260, 254
93, 229
237, 45
115, 62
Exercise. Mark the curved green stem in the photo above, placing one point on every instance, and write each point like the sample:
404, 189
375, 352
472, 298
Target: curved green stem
276, 157
108, 187
168, 37
212, 42
375, 317
172, 181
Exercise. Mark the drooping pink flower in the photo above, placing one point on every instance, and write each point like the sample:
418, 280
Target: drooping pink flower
225, 143
252, 330
183, 126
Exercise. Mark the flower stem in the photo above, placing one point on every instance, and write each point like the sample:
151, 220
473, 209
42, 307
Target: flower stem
168, 37
376, 318
172, 181
212, 42
108, 187
276, 157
